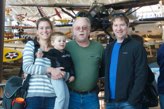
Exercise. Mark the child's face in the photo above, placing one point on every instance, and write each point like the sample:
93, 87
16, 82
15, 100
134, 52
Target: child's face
59, 42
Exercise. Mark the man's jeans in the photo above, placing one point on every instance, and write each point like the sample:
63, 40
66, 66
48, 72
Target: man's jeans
121, 105
161, 100
84, 101
40, 102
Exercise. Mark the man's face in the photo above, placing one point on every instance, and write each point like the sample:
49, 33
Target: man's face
120, 28
81, 30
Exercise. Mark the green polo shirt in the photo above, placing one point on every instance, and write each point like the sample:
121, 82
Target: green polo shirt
87, 61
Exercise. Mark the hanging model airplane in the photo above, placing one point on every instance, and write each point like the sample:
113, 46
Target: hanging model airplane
98, 13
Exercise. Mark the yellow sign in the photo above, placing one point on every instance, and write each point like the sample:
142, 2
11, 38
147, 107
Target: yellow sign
10, 55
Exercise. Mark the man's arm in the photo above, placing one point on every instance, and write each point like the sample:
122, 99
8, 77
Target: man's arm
140, 74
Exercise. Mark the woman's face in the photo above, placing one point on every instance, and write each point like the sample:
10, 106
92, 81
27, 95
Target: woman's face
44, 30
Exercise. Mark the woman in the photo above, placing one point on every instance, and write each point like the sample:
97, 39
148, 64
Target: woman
40, 92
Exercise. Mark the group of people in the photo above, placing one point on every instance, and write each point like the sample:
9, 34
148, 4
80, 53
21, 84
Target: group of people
64, 75
53, 65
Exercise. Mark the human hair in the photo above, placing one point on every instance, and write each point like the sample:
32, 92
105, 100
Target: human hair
85, 18
44, 19
57, 34
121, 16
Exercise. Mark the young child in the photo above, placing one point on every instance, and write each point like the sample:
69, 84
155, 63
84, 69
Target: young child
59, 58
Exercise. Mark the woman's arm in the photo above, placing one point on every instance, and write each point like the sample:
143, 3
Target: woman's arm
28, 61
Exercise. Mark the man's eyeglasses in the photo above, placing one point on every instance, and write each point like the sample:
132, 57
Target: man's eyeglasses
83, 28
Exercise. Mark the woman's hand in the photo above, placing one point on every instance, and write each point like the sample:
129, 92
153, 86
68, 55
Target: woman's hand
56, 73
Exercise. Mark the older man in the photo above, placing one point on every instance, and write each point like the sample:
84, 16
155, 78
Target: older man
87, 57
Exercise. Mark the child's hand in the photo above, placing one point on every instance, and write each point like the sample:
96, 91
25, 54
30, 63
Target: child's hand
71, 79
39, 54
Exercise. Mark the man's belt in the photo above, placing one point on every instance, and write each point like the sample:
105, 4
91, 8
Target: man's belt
83, 92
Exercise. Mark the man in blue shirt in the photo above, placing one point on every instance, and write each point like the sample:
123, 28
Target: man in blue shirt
125, 67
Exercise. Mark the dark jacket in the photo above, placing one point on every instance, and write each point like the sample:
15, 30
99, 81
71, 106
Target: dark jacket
60, 59
131, 71
160, 61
